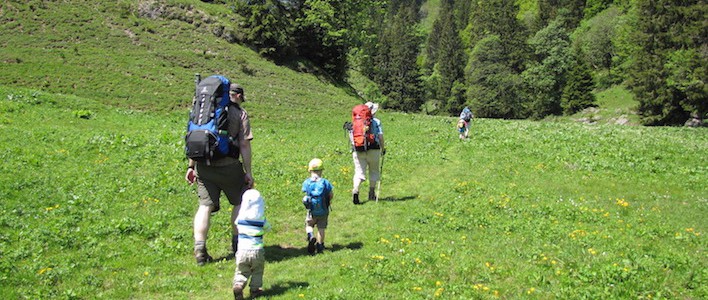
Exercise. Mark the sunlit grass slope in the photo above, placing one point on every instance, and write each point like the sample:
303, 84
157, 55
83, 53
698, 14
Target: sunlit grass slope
93, 204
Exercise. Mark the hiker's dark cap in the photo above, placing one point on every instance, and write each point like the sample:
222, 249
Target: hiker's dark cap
237, 88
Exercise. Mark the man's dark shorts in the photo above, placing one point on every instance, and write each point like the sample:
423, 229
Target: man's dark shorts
211, 180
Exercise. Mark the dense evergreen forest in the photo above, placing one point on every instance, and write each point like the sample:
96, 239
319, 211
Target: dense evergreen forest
502, 58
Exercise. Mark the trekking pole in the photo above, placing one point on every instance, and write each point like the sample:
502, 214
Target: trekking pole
378, 184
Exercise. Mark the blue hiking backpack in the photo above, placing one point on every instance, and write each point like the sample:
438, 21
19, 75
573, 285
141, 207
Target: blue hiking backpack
207, 130
466, 114
317, 198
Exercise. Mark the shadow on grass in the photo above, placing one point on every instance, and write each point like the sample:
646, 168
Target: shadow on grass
282, 287
391, 199
278, 253
230, 256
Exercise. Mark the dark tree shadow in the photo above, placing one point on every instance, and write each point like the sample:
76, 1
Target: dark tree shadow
276, 253
282, 287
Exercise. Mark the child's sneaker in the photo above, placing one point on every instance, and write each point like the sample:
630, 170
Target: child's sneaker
320, 247
238, 292
311, 241
355, 198
372, 195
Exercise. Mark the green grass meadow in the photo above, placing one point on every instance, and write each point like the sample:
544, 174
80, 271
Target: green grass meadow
93, 203
95, 206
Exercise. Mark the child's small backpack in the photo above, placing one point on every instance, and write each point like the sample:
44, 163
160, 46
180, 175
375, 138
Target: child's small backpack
317, 200
362, 137
207, 130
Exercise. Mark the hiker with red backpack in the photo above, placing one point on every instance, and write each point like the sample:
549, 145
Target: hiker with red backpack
366, 137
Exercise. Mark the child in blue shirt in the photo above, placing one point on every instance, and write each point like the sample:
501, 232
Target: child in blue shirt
318, 196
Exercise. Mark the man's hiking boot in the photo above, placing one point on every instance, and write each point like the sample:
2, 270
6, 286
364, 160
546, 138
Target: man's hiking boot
201, 255
311, 241
355, 198
238, 292
256, 293
320, 247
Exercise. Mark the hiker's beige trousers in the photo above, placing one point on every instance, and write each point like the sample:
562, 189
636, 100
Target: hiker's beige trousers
366, 160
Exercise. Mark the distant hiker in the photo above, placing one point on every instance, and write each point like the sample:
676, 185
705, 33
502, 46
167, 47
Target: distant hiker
367, 147
462, 128
250, 257
317, 200
222, 173
466, 117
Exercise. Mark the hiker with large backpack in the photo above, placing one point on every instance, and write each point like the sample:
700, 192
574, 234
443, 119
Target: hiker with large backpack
463, 124
317, 200
218, 133
367, 140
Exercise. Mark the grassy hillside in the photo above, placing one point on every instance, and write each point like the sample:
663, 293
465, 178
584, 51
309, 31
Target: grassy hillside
94, 204
138, 54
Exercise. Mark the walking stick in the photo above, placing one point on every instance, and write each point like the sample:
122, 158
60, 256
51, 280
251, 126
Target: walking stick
378, 184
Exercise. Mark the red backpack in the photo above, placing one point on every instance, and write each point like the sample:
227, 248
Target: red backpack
361, 128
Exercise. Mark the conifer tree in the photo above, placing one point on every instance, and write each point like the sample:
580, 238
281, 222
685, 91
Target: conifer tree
498, 17
322, 36
268, 26
494, 89
396, 69
364, 19
670, 34
548, 11
545, 77
446, 58
577, 93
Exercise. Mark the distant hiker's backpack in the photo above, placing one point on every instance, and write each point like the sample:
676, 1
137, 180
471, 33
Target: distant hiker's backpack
466, 115
361, 132
317, 198
207, 130
461, 124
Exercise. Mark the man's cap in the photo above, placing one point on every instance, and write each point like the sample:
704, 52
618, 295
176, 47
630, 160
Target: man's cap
237, 88
315, 165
